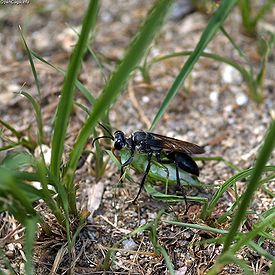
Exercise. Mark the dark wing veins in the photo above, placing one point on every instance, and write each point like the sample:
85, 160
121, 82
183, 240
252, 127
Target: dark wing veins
176, 145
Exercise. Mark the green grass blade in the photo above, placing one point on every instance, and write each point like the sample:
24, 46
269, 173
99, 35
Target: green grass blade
213, 26
272, 269
227, 184
245, 9
7, 263
265, 8
138, 230
198, 227
268, 221
82, 88
118, 80
67, 94
38, 115
171, 198
237, 48
266, 51
245, 239
230, 259
12, 129
30, 233
248, 77
167, 259
31, 62
21, 206
253, 184
153, 236
48, 196
94, 56
16, 161
219, 158
260, 251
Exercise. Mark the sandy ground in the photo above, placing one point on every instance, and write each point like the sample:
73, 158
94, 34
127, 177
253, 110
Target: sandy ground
213, 109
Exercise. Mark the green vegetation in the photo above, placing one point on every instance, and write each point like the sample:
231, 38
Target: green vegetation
21, 167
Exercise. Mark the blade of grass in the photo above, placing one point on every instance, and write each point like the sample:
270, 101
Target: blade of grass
158, 248
268, 221
245, 9
267, 6
82, 88
219, 158
268, 45
136, 231
198, 227
246, 239
38, 115
31, 62
212, 27
260, 251
6, 262
67, 94
94, 56
12, 129
229, 259
51, 203
64, 204
247, 75
253, 184
151, 227
30, 233
116, 83
227, 184
171, 198
237, 48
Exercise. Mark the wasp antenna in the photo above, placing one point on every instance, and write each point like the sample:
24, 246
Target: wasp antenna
112, 138
106, 129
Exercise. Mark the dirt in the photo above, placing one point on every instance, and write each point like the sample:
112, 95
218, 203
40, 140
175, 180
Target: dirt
213, 109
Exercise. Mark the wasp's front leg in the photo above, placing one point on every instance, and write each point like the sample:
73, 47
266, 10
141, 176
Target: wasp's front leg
126, 163
144, 176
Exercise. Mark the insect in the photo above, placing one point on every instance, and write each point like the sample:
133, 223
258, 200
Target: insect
165, 149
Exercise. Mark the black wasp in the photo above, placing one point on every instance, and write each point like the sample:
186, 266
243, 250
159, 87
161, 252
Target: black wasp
166, 150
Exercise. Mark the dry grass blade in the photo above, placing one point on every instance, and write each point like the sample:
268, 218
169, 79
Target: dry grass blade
58, 259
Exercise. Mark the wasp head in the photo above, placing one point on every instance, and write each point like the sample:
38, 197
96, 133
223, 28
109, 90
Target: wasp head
120, 140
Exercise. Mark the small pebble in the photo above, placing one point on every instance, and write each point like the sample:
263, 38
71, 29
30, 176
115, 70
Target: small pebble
143, 221
145, 99
241, 99
231, 75
214, 97
129, 245
10, 254
228, 108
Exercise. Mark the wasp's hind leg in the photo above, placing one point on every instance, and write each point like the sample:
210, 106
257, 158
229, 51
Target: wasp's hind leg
178, 184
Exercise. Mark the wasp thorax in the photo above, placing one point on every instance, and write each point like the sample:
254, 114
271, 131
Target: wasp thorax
139, 138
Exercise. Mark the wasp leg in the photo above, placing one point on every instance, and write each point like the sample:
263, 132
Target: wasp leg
178, 184
126, 163
168, 161
180, 188
144, 176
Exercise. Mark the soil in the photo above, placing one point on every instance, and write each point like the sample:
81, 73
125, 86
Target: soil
213, 109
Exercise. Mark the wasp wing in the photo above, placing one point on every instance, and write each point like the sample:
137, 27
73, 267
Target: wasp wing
176, 145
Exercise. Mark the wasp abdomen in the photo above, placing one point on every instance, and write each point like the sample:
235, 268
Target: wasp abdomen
185, 162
